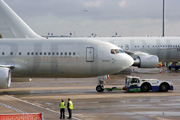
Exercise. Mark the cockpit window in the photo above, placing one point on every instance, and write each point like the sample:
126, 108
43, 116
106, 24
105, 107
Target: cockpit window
116, 51
121, 51
113, 51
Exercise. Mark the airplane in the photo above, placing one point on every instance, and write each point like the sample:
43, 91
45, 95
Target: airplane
28, 55
148, 51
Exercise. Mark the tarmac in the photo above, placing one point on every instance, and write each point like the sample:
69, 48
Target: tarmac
44, 95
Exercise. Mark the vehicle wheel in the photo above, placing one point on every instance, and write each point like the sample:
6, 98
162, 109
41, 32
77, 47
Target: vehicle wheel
99, 88
176, 68
164, 87
169, 67
145, 88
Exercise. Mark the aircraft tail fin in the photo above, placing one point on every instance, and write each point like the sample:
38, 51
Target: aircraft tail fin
12, 26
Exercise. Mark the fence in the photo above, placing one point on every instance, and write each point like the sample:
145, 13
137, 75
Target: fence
31, 116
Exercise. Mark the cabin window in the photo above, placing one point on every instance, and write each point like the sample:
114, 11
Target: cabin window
65, 53
61, 53
2, 53
74, 53
40, 53
44, 53
57, 53
28, 53
32, 53
36, 53
69, 53
49, 53
19, 53
11, 53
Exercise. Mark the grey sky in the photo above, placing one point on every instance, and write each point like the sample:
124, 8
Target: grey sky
103, 17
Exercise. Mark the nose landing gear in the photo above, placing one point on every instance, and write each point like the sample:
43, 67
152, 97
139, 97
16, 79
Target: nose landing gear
100, 88
101, 82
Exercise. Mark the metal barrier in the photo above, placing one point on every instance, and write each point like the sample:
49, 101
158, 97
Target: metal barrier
31, 116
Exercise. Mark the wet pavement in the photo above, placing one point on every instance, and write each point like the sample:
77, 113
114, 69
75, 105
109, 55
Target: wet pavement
44, 95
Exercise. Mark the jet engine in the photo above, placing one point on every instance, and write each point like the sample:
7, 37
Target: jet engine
5, 78
146, 61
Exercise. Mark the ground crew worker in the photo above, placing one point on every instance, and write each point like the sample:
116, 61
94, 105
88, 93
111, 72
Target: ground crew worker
69, 107
62, 109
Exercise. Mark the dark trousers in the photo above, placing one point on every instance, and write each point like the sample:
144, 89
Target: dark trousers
70, 113
62, 115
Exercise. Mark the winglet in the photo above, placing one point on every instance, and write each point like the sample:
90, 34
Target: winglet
12, 26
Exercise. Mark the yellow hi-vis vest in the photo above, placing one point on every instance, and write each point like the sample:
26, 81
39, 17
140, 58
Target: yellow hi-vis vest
62, 105
70, 105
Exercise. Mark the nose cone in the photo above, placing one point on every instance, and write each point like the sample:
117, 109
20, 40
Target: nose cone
124, 61
116, 64
129, 61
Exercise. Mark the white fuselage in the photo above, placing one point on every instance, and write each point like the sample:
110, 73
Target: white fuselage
166, 48
62, 57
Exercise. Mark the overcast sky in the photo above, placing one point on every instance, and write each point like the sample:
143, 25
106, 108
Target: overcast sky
102, 17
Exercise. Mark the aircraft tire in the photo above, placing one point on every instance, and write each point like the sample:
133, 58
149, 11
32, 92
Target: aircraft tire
99, 88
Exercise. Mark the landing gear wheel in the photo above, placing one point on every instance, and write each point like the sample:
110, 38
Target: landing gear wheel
169, 67
100, 88
145, 88
164, 88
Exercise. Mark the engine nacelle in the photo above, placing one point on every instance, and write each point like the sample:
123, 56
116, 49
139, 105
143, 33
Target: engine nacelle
146, 61
5, 78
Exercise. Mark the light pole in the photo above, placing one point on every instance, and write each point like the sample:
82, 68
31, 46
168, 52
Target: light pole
163, 34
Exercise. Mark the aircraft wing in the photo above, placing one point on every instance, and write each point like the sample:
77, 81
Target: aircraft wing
137, 53
128, 52
7, 66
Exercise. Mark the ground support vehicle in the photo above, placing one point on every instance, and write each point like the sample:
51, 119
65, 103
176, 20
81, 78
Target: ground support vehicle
135, 84
174, 65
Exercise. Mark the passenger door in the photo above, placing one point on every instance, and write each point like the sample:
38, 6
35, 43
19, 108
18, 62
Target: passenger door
89, 54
